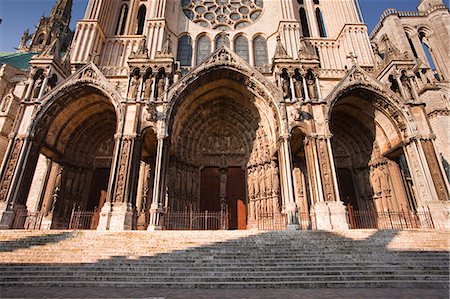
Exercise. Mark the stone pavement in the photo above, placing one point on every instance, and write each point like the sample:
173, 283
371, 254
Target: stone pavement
95, 292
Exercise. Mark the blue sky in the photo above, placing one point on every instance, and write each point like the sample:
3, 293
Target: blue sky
18, 15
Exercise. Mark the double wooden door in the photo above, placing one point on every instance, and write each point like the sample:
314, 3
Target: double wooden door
234, 193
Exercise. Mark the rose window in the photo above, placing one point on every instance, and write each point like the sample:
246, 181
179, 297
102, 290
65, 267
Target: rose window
223, 14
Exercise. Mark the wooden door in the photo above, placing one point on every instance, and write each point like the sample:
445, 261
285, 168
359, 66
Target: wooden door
347, 188
210, 189
236, 198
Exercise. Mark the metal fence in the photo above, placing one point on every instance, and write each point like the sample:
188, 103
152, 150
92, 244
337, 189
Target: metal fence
272, 221
190, 220
84, 219
27, 220
389, 219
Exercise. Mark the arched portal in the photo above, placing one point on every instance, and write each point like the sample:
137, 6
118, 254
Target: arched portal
369, 158
75, 154
223, 150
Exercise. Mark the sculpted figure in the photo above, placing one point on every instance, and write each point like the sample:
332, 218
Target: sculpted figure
407, 88
275, 181
148, 87
311, 84
38, 86
375, 179
161, 86
298, 86
251, 184
268, 178
134, 86
286, 86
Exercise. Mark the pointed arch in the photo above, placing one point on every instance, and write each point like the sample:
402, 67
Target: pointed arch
304, 22
260, 55
203, 48
320, 23
184, 51
142, 12
241, 47
219, 39
122, 20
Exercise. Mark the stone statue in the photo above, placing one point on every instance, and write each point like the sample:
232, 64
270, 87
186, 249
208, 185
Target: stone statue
286, 86
375, 179
24, 39
275, 180
37, 86
268, 179
161, 86
148, 87
311, 84
378, 56
251, 184
407, 88
7, 100
298, 87
134, 86
223, 183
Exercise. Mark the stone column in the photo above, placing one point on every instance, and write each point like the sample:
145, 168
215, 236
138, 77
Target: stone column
44, 87
439, 207
156, 208
400, 86
117, 213
330, 212
29, 90
105, 212
305, 89
15, 177
290, 206
429, 198
293, 96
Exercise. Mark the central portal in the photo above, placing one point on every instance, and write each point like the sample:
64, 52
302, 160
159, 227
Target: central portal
223, 152
225, 188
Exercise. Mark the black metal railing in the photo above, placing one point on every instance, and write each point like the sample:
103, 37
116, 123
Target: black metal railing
23, 219
389, 219
84, 219
272, 221
190, 220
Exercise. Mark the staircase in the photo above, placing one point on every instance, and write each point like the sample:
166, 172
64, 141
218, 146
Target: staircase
222, 259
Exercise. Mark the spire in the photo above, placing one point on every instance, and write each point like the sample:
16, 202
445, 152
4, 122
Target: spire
280, 51
306, 50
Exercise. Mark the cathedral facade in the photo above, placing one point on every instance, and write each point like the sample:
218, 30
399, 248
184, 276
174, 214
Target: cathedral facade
254, 107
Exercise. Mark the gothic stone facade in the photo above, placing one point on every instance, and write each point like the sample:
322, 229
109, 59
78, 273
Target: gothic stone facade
266, 107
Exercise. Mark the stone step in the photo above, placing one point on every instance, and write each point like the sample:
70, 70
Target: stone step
419, 284
365, 258
10, 275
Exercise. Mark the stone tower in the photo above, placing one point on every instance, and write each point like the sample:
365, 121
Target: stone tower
50, 28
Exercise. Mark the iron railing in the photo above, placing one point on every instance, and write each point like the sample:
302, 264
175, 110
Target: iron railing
389, 219
272, 221
84, 219
27, 220
190, 220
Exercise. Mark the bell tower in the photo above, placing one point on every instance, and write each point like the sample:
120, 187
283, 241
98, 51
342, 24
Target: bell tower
50, 28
